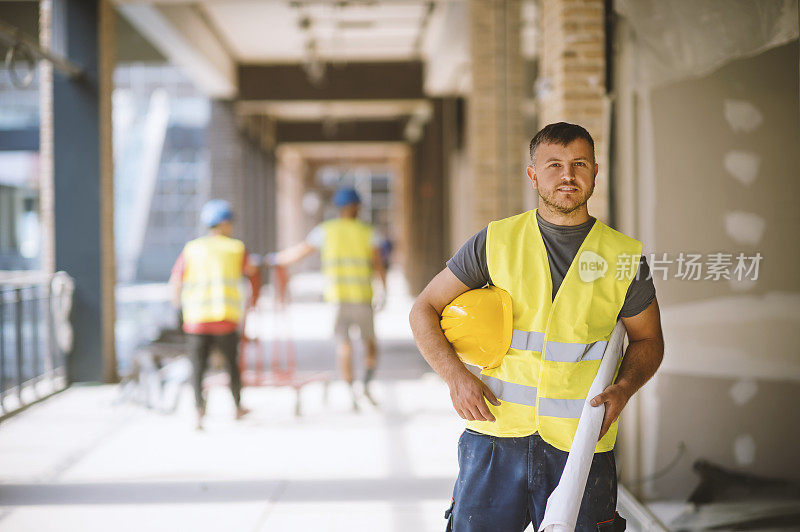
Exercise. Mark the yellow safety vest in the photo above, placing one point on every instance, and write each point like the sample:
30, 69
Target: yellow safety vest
347, 260
211, 281
557, 343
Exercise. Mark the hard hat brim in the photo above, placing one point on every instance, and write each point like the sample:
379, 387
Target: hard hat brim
508, 317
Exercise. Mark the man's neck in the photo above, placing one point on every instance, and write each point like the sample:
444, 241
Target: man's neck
555, 217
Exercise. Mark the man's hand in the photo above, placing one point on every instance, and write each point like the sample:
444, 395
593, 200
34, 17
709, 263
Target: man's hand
467, 393
644, 354
615, 397
379, 300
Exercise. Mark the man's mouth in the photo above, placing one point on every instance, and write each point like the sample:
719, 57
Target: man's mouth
567, 189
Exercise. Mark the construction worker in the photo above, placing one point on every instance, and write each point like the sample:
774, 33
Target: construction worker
350, 251
570, 278
205, 283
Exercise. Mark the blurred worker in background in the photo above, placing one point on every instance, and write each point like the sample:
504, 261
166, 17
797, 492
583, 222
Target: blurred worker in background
205, 284
351, 255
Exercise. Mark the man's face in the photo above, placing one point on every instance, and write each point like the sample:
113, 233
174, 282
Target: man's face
564, 175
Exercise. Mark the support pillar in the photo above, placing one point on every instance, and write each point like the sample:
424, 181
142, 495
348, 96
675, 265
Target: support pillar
82, 187
426, 199
290, 186
573, 73
227, 162
495, 121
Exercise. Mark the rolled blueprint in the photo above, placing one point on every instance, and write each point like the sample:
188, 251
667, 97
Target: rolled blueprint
561, 512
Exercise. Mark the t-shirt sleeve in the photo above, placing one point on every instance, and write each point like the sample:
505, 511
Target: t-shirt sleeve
469, 262
377, 239
641, 292
316, 238
178, 268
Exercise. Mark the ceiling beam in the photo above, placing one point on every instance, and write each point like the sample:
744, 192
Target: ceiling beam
182, 35
350, 81
361, 131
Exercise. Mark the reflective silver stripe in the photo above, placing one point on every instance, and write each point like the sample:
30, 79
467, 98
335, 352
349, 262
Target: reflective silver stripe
527, 340
568, 408
201, 301
346, 261
509, 392
229, 283
351, 279
569, 352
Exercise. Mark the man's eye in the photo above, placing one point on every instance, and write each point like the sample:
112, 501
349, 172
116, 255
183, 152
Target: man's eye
580, 164
554, 165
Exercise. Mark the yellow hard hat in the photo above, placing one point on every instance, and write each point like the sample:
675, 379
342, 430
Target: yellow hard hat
478, 324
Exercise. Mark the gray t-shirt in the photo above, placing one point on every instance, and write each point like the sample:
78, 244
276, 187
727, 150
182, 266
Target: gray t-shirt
562, 243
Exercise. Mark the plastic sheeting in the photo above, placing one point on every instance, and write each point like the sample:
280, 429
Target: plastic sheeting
681, 39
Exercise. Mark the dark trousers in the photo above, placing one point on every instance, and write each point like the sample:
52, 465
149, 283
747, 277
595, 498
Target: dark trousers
200, 348
503, 484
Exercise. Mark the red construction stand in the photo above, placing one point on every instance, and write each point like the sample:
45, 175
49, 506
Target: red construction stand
282, 367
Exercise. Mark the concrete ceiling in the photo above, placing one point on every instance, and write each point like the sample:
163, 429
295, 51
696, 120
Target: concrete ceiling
213, 39
274, 32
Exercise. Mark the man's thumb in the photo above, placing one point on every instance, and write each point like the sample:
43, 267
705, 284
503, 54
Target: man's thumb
490, 395
599, 399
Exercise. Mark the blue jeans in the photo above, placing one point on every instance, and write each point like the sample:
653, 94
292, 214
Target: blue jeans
503, 484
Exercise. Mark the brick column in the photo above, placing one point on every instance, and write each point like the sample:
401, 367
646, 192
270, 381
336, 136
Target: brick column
494, 113
290, 187
572, 78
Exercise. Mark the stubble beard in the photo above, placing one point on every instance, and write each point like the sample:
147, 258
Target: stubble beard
564, 208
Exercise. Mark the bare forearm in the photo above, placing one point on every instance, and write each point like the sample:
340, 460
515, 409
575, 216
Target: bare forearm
175, 287
640, 363
380, 273
432, 343
293, 254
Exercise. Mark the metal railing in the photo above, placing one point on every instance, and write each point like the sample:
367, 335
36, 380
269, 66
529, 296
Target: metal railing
35, 337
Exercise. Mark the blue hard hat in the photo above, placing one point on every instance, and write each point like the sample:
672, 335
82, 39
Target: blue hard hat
214, 212
346, 196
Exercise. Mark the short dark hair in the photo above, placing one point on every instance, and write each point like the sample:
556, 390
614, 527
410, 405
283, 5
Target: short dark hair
561, 133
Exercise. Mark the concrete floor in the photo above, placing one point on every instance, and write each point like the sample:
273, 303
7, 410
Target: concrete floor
84, 461
78, 461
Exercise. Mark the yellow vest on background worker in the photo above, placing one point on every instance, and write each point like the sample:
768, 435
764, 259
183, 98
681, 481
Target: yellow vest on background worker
211, 283
347, 260
556, 344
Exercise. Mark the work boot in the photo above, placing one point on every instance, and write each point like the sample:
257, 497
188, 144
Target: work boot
368, 395
354, 398
201, 412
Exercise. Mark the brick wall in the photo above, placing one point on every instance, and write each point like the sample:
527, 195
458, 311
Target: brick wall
494, 118
572, 77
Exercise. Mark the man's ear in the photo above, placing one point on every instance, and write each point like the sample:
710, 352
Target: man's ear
596, 168
532, 175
